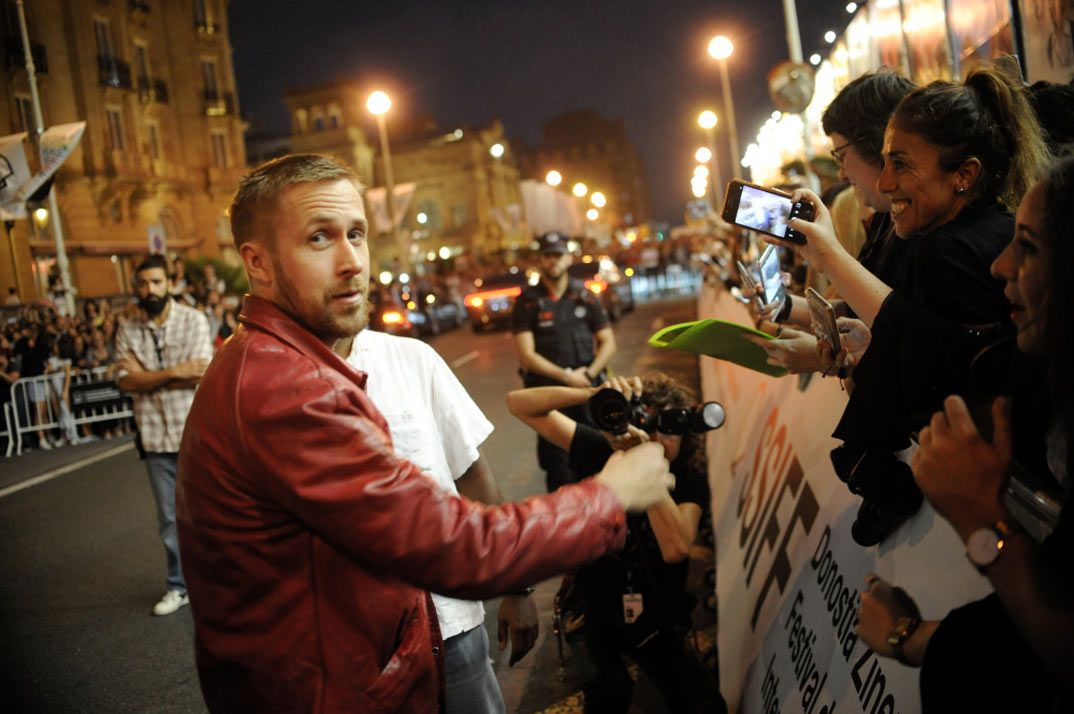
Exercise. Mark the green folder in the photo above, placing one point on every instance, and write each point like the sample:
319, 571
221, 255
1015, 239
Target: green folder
719, 339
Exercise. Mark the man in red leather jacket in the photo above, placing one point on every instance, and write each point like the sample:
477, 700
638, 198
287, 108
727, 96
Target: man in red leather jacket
309, 546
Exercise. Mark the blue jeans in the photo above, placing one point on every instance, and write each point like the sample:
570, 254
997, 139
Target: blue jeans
161, 468
471, 684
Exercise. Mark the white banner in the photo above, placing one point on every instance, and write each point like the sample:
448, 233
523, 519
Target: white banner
788, 572
378, 207
15, 172
57, 143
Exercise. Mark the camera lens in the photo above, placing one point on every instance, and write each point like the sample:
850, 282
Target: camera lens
609, 411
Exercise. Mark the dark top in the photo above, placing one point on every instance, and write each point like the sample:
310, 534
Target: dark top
639, 567
562, 328
922, 349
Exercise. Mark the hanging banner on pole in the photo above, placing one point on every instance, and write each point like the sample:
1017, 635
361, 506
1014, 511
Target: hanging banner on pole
14, 172
57, 143
378, 208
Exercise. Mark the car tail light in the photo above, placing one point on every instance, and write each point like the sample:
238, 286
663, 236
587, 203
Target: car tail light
596, 285
392, 317
479, 299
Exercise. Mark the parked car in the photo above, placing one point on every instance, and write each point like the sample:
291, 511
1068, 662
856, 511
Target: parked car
386, 315
602, 276
430, 311
493, 299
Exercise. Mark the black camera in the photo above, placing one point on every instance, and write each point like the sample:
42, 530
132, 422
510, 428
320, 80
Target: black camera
610, 411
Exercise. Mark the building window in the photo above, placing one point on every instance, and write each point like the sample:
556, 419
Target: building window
25, 110
219, 140
203, 16
318, 124
208, 78
141, 64
115, 128
103, 30
460, 216
153, 139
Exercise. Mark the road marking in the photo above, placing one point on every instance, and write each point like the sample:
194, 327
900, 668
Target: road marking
49, 475
468, 357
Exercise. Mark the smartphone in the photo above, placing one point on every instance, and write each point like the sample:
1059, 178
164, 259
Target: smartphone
764, 209
749, 282
771, 276
822, 318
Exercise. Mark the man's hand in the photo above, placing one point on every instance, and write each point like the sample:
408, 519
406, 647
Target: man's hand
129, 364
639, 477
577, 378
794, 350
191, 369
518, 618
881, 606
960, 473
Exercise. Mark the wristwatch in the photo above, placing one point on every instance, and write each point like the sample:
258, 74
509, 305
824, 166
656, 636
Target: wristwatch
900, 632
985, 544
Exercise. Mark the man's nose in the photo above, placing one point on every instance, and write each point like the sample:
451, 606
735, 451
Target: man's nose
348, 259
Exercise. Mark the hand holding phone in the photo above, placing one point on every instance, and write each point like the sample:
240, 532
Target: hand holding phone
767, 210
748, 282
824, 324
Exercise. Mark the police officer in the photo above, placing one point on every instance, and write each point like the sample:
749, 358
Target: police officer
562, 336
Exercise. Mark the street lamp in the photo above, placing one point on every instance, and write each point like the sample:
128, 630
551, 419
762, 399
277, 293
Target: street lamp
553, 178
580, 189
598, 199
378, 104
703, 154
707, 120
721, 48
496, 151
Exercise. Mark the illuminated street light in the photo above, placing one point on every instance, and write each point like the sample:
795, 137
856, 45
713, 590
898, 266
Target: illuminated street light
851, 7
580, 189
704, 154
385, 277
592, 214
814, 59
496, 150
378, 104
423, 218
701, 172
41, 216
829, 36
707, 119
721, 48
698, 189
553, 178
598, 199
445, 252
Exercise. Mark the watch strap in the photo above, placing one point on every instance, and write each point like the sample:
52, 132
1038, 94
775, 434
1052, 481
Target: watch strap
902, 630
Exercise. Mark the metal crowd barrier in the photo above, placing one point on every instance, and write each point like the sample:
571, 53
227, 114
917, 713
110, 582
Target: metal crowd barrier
93, 396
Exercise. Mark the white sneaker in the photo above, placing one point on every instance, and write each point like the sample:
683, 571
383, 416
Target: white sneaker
44, 444
172, 601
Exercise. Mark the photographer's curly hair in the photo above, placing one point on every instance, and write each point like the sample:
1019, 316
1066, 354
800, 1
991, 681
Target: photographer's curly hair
662, 391
987, 118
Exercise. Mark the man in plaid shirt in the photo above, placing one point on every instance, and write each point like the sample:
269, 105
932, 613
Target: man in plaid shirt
161, 357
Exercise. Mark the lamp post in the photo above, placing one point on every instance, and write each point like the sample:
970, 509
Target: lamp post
721, 48
707, 120
378, 104
39, 129
496, 151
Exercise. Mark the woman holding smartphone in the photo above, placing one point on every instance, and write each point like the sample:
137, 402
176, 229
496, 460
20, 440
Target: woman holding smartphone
635, 602
1020, 639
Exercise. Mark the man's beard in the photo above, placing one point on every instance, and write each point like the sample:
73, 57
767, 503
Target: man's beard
154, 304
315, 314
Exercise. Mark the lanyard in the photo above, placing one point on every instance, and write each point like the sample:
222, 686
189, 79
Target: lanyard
158, 338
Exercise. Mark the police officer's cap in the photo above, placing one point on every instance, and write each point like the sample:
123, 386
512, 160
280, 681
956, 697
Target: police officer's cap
553, 242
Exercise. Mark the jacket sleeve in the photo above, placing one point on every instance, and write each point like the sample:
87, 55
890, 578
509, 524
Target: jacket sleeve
316, 449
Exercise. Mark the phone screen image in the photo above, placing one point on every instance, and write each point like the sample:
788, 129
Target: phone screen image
771, 276
763, 211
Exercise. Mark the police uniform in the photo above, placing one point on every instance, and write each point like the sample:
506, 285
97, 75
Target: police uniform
563, 331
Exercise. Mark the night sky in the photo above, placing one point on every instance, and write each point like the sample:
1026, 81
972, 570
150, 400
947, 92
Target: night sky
464, 62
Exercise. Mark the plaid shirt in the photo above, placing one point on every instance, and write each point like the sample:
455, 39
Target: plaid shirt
184, 336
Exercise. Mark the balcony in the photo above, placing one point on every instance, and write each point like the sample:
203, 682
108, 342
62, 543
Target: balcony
114, 72
153, 91
15, 58
218, 104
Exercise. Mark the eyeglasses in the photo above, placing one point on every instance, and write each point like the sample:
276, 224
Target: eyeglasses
839, 154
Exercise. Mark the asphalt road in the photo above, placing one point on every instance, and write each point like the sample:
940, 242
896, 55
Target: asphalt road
82, 564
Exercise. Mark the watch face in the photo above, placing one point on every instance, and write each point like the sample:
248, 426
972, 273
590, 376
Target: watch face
983, 546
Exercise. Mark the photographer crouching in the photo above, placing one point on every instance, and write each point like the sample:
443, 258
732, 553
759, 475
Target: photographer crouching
635, 602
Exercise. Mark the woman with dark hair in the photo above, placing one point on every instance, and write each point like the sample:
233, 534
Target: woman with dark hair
1019, 640
635, 602
957, 157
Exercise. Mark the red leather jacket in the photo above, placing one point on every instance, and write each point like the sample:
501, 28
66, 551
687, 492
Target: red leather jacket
308, 546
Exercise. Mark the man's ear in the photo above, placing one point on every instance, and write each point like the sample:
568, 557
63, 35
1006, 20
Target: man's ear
256, 260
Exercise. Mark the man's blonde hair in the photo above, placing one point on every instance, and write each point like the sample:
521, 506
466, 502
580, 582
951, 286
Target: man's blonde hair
253, 209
